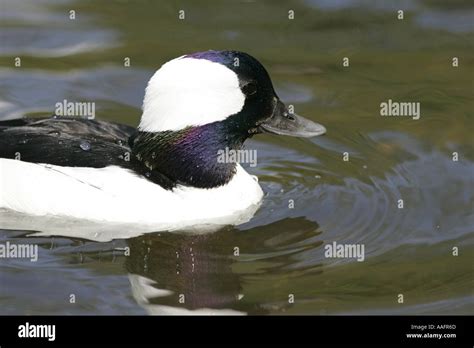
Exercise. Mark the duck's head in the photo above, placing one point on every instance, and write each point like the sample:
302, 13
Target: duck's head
219, 86
200, 103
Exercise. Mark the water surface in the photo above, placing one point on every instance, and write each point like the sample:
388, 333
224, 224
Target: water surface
408, 251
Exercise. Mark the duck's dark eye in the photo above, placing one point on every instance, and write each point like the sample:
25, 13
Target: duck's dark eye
250, 88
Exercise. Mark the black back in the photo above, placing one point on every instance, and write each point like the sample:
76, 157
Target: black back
65, 142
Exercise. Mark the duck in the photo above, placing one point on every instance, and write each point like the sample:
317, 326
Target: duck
164, 173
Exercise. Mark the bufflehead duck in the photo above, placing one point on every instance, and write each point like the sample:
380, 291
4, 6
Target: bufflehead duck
165, 172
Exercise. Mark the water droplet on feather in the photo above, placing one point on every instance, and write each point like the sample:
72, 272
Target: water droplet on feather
85, 145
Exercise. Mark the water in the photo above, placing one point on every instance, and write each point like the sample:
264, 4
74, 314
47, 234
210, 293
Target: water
313, 197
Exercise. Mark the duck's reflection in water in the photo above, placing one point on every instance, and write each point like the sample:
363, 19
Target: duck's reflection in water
195, 274
179, 274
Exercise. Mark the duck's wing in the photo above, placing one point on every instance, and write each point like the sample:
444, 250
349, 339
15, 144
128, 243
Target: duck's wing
66, 142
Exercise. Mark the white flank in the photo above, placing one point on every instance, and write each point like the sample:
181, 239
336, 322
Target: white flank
190, 92
117, 195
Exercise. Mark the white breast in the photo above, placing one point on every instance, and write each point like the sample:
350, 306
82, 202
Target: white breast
114, 194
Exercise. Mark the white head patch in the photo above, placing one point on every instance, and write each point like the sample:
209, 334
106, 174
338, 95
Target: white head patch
190, 92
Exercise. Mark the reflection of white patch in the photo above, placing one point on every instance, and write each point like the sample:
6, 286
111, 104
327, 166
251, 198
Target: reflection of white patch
143, 290
190, 92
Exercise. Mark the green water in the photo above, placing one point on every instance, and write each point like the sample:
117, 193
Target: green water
408, 251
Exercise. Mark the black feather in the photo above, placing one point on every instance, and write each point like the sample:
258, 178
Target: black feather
73, 143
